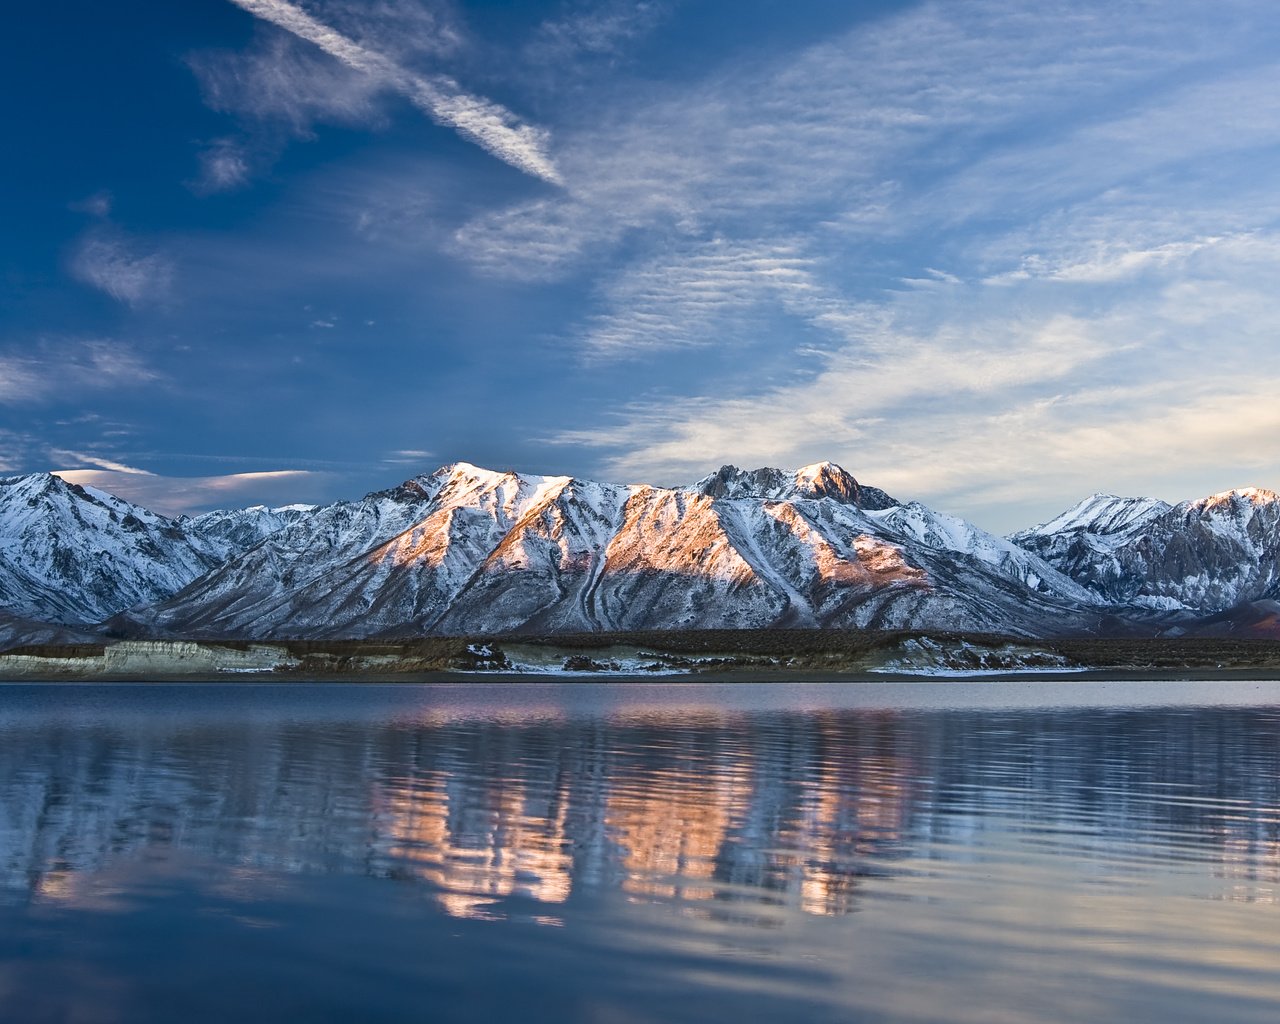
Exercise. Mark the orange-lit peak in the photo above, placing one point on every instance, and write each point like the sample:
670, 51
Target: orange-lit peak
827, 480
1252, 495
462, 482
468, 471
817, 469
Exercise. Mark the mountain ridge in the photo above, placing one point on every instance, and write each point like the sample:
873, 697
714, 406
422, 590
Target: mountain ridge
468, 550
1202, 556
474, 550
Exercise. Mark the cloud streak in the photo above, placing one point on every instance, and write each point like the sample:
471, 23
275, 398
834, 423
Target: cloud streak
187, 495
702, 296
54, 369
850, 131
487, 124
101, 463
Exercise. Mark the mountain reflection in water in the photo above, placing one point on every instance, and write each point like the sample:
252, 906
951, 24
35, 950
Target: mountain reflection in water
735, 806
724, 806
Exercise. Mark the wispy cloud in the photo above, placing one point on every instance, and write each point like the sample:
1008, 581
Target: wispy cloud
280, 79
599, 30
829, 133
484, 122
170, 495
700, 297
407, 457
50, 369
23, 379
107, 260
1107, 262
97, 205
855, 398
98, 462
990, 401
224, 165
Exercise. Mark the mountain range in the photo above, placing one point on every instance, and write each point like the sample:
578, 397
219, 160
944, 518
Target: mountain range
466, 550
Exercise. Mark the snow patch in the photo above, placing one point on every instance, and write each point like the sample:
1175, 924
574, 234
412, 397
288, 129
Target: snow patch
929, 657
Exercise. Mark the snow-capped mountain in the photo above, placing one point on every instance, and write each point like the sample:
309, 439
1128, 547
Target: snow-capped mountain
1194, 558
227, 532
301, 560
468, 550
72, 555
821, 480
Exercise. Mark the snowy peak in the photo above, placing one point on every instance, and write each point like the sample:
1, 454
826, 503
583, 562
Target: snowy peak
819, 480
467, 549
1195, 558
827, 480
1253, 495
463, 485
26, 500
73, 555
1238, 502
732, 482
1102, 516
227, 532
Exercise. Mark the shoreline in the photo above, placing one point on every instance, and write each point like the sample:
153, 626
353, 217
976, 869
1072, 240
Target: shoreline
742, 677
724, 656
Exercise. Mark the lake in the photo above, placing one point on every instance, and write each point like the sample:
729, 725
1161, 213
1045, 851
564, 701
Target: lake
614, 853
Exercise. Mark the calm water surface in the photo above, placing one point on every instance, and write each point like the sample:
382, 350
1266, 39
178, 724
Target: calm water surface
616, 854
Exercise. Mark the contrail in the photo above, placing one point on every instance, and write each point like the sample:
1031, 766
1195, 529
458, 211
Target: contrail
489, 125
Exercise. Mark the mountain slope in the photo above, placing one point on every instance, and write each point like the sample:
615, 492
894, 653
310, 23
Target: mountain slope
467, 550
1195, 558
227, 532
16, 631
250, 594
75, 555
72, 555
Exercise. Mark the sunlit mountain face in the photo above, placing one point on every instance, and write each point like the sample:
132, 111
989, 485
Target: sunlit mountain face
466, 550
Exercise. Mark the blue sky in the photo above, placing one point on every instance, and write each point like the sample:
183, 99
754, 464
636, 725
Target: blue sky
992, 256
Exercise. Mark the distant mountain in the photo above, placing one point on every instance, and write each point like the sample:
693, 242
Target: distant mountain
468, 550
72, 555
314, 563
230, 531
1193, 559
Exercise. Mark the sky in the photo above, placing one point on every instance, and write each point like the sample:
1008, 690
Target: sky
990, 256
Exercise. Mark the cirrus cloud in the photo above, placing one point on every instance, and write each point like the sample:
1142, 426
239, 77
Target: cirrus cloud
131, 274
